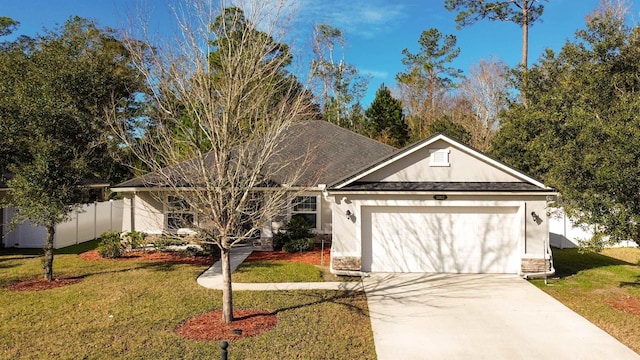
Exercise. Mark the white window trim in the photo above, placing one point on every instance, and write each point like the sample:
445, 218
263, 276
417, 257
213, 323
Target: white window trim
434, 159
317, 212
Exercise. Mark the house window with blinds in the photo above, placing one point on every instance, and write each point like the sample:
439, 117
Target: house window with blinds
306, 207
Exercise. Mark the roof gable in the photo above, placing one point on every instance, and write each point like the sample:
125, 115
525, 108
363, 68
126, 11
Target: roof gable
459, 164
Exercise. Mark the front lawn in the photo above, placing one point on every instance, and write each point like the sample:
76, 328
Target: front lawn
130, 309
276, 272
604, 288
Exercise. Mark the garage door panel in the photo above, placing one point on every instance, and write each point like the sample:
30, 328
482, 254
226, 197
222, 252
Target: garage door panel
440, 239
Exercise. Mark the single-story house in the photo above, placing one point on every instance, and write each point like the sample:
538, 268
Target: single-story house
434, 206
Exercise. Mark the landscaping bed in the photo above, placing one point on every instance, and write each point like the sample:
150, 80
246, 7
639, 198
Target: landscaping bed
176, 257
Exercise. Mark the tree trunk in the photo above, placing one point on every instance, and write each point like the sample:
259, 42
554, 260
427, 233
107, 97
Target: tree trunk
47, 264
525, 48
227, 295
525, 37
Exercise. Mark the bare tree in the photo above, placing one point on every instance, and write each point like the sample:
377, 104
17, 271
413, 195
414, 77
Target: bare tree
340, 86
222, 108
486, 89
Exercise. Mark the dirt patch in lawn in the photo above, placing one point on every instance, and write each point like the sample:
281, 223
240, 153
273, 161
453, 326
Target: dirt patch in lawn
43, 284
626, 303
159, 256
312, 257
209, 326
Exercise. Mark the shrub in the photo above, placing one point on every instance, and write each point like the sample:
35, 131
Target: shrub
163, 242
297, 228
210, 249
110, 245
298, 245
133, 239
296, 237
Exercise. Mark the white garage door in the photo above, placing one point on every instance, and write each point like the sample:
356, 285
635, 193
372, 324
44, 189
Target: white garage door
441, 239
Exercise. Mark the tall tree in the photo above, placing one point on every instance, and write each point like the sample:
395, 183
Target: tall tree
53, 92
522, 12
233, 107
581, 130
339, 85
427, 79
387, 118
7, 25
487, 90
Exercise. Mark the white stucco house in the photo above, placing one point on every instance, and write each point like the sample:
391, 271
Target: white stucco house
434, 206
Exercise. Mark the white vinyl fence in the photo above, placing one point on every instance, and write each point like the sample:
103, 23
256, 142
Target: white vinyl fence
563, 233
87, 222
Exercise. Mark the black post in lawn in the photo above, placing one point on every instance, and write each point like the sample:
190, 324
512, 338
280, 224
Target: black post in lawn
224, 347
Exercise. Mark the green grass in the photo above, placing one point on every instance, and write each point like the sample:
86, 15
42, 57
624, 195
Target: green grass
275, 271
130, 310
589, 283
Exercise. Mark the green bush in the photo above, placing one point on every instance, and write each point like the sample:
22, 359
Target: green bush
298, 245
210, 249
297, 228
164, 241
134, 239
110, 245
297, 235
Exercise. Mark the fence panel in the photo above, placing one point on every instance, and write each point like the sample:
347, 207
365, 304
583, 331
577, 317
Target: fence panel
86, 223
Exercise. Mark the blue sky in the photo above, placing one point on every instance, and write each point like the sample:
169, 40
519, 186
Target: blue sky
376, 31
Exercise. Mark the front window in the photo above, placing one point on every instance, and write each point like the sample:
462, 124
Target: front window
179, 213
306, 207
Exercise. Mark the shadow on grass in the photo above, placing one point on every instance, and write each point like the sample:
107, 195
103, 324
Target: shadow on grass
35, 252
569, 262
635, 284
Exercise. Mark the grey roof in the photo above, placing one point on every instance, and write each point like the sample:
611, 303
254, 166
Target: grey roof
444, 186
331, 153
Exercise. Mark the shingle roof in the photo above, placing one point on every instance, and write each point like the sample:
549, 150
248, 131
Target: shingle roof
444, 186
333, 153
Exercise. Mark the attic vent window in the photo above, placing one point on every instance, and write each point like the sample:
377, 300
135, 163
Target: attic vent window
439, 157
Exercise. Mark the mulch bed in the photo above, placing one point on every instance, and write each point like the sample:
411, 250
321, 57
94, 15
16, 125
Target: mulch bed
43, 284
308, 257
209, 326
627, 303
159, 256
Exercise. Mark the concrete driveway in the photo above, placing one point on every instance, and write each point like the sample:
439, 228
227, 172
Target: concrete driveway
445, 316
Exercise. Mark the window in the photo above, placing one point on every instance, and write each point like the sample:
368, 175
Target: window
439, 157
179, 213
307, 208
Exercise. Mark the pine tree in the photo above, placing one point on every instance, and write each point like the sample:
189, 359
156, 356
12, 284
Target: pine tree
387, 118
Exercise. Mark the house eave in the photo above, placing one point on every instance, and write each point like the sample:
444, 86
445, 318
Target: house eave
469, 193
159, 188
